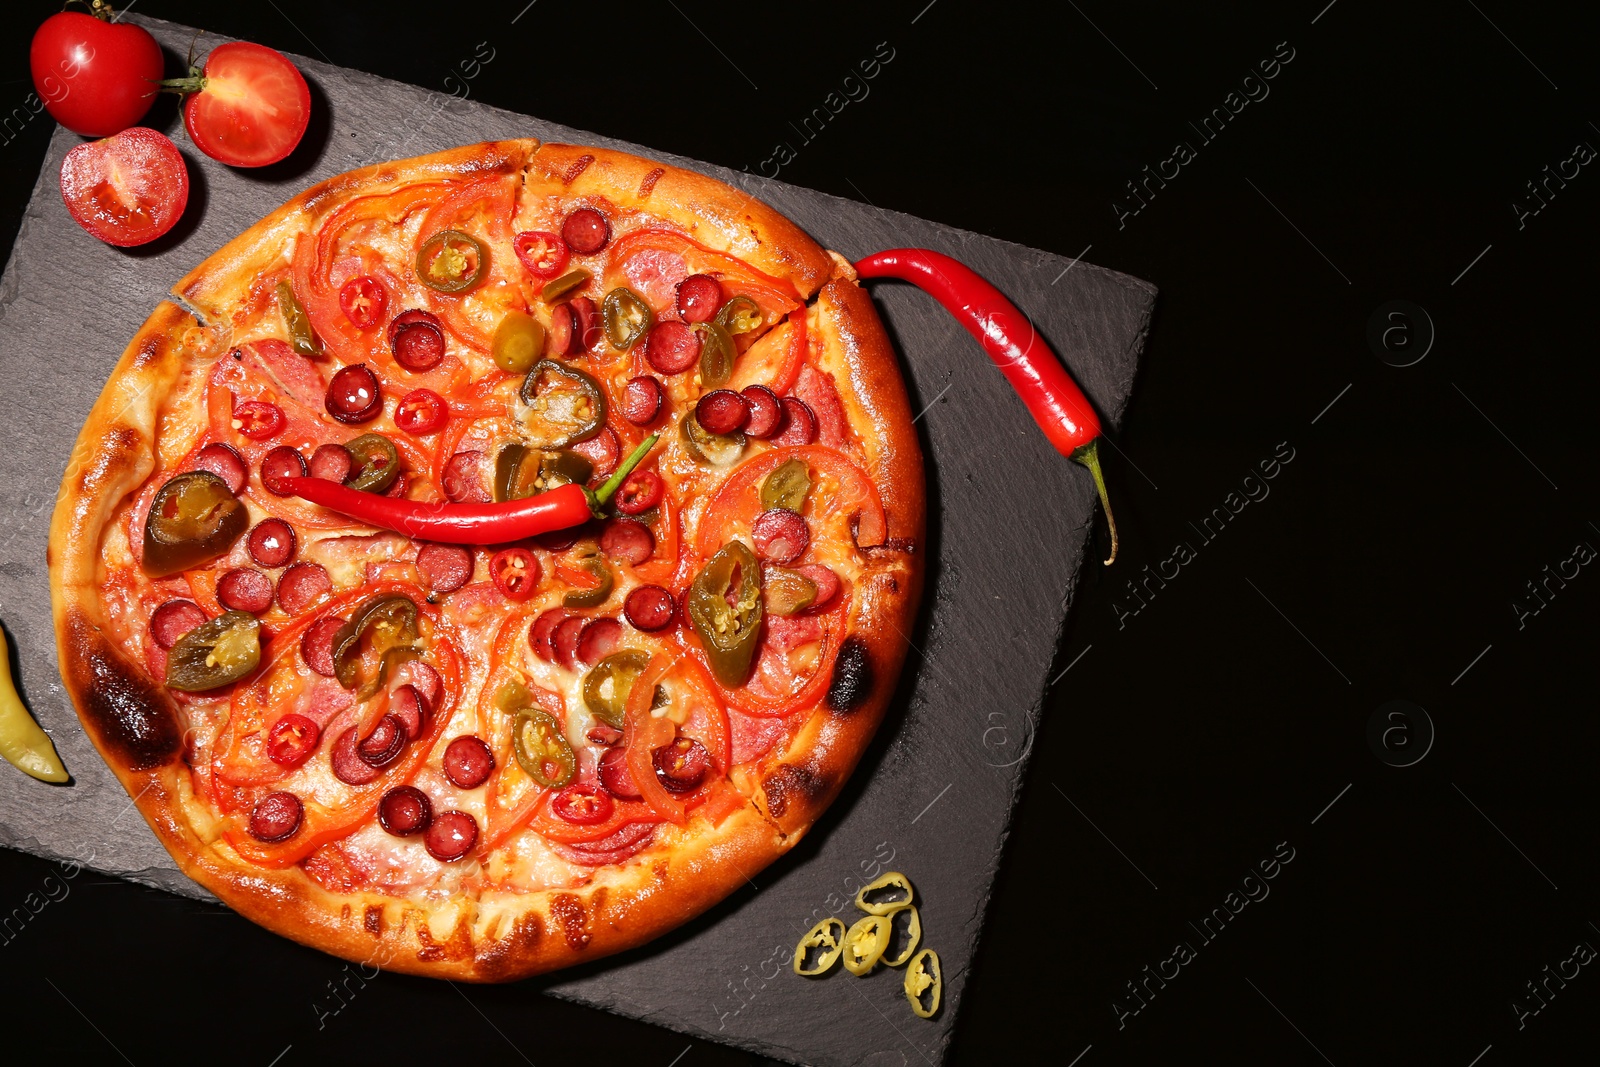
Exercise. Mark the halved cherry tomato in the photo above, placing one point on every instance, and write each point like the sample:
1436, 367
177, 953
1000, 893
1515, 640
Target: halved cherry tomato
291, 739
544, 254
248, 108
583, 804
516, 573
127, 189
258, 419
421, 411
363, 301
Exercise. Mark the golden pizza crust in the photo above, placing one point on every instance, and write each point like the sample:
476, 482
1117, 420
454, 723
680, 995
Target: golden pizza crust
156, 392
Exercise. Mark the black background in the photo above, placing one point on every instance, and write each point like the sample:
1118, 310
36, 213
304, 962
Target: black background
1192, 737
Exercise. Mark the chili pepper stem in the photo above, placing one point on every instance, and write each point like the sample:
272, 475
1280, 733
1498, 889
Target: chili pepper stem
1089, 456
603, 494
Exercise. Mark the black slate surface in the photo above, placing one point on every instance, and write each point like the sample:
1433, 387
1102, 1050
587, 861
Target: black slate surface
934, 796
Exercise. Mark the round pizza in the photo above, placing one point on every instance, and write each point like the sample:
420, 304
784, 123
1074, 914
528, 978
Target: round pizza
493, 559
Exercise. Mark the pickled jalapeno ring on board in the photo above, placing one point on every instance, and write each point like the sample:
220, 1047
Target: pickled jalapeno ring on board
826, 939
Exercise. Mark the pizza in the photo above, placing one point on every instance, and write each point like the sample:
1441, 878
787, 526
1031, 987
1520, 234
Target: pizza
482, 757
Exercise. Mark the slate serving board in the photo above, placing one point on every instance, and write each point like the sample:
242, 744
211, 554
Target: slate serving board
933, 797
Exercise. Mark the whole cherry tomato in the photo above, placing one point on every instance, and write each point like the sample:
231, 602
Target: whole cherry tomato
96, 77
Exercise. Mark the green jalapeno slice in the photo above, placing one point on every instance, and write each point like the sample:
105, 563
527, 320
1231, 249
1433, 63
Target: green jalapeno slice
717, 449
451, 262
606, 686
383, 628
725, 611
216, 652
787, 486
193, 518
521, 472
716, 354
786, 592
556, 288
628, 318
864, 944
591, 598
923, 983
301, 337
886, 895
375, 463
518, 342
739, 315
541, 748
565, 405
820, 948
913, 935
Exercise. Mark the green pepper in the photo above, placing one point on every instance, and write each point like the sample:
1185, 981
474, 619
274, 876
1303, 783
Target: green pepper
864, 944
512, 697
628, 318
518, 342
725, 610
556, 288
913, 935
591, 598
374, 463
23, 744
194, 518
565, 405
619, 669
451, 262
542, 749
301, 339
787, 486
887, 895
923, 983
718, 449
385, 625
739, 315
215, 653
716, 354
786, 592
827, 938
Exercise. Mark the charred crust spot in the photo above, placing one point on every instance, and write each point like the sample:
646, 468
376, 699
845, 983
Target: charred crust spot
790, 782
149, 350
576, 167
431, 951
568, 911
372, 920
649, 182
852, 677
131, 718
505, 957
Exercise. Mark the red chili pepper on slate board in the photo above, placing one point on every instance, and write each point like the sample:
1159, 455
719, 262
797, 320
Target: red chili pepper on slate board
1052, 397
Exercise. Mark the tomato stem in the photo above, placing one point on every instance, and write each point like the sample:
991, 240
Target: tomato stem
98, 8
1089, 456
194, 83
613, 483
